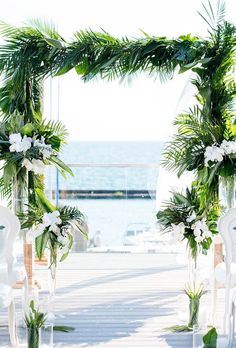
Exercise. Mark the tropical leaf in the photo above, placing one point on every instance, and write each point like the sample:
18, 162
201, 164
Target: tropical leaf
62, 167
41, 243
44, 202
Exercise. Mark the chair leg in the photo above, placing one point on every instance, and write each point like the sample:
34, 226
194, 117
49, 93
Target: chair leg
227, 304
233, 325
12, 324
213, 300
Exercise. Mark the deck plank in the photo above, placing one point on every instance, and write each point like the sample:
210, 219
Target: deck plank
119, 300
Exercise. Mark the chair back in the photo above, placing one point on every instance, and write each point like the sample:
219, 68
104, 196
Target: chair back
9, 229
227, 230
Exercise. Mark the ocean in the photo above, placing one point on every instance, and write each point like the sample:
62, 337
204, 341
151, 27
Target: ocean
109, 153
112, 216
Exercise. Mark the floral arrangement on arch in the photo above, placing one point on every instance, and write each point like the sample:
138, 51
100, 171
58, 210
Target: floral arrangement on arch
28, 148
51, 227
208, 148
184, 219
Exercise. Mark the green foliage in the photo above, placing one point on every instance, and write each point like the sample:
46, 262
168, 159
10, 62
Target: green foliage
210, 339
63, 328
212, 119
182, 207
194, 292
69, 216
41, 244
35, 319
54, 135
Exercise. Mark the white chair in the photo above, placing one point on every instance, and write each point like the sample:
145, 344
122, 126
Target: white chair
10, 272
227, 230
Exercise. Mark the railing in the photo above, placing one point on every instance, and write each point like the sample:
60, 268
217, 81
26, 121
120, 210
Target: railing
116, 186
112, 196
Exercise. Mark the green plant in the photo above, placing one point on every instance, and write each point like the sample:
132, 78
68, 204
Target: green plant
50, 226
211, 121
194, 294
184, 219
210, 339
34, 321
26, 149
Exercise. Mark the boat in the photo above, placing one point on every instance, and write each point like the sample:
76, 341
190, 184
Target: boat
140, 233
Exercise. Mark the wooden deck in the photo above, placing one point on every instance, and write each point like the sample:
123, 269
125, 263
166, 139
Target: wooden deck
119, 300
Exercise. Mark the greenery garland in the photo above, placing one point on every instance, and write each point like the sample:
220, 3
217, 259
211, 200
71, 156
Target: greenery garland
32, 53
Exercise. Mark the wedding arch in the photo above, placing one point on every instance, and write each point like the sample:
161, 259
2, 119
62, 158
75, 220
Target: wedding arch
205, 133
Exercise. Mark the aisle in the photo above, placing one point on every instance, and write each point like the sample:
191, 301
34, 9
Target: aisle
119, 300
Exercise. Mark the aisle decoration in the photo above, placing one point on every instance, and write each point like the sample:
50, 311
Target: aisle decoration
34, 321
184, 219
26, 149
194, 293
51, 227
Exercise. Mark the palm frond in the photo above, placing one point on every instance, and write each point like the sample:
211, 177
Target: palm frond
213, 17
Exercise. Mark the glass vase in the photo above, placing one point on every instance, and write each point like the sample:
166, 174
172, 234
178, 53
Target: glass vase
47, 336
19, 206
198, 338
227, 192
193, 313
52, 267
192, 267
33, 337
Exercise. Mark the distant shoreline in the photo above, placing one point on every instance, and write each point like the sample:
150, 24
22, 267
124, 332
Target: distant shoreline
105, 194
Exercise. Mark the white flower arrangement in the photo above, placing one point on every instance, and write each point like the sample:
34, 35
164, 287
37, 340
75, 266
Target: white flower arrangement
201, 230
36, 166
50, 221
216, 152
199, 227
22, 144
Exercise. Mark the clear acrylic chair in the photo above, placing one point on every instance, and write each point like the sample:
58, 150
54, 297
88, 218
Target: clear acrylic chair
10, 272
227, 230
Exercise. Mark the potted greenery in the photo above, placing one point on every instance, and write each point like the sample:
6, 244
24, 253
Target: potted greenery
34, 321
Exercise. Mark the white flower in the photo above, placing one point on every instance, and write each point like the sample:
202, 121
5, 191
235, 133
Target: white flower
191, 218
26, 163
52, 220
63, 240
45, 149
46, 152
15, 138
177, 233
16, 147
214, 154
26, 143
201, 230
229, 147
18, 144
38, 166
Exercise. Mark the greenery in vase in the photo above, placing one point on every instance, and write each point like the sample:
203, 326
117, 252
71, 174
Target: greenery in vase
34, 321
184, 219
194, 294
50, 226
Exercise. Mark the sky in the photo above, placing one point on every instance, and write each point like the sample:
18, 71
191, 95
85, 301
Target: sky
101, 110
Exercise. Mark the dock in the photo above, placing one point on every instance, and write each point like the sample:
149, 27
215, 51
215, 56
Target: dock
120, 301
